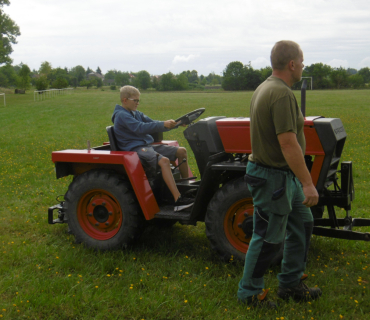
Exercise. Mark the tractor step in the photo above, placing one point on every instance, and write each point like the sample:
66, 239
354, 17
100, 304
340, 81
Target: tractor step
168, 213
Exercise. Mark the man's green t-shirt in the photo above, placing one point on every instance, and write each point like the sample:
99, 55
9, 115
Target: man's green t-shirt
274, 110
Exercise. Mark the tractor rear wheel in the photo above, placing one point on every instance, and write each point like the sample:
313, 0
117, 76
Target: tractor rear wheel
229, 221
102, 210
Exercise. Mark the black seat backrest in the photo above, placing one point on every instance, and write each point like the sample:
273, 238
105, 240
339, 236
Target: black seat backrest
112, 138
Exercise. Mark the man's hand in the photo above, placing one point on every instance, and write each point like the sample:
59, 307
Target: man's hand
294, 157
169, 124
311, 196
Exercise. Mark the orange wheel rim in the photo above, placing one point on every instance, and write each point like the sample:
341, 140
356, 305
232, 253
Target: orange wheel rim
99, 214
234, 218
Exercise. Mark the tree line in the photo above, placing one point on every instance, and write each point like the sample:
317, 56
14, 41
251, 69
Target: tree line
237, 76
46, 76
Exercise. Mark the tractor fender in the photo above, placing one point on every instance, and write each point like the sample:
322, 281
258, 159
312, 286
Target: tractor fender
75, 162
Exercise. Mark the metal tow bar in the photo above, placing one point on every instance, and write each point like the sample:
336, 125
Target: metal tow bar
60, 219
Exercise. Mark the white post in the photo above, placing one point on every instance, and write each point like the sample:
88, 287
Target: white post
3, 94
311, 81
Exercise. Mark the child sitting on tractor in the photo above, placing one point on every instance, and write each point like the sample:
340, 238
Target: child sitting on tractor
133, 131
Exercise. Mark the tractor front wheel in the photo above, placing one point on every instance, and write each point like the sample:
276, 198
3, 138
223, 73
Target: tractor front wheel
102, 211
229, 221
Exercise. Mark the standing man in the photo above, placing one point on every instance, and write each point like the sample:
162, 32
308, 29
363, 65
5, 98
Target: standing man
280, 184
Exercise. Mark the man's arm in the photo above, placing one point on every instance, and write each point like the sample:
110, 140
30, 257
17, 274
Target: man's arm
293, 155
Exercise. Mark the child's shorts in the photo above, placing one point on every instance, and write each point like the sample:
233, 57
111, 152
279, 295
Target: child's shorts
148, 154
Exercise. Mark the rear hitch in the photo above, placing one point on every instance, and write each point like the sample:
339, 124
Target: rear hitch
60, 209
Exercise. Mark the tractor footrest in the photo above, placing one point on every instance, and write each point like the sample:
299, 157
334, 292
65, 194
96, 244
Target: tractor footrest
168, 213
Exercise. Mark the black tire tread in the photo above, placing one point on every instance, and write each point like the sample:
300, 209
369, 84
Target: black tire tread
133, 224
235, 189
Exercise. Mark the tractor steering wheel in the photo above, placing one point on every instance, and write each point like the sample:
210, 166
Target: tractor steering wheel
189, 117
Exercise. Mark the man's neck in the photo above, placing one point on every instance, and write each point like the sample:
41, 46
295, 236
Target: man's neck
283, 75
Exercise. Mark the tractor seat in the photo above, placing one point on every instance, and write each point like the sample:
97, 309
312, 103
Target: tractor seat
112, 138
151, 173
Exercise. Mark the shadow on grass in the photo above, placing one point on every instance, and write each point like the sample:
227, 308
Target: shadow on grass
176, 240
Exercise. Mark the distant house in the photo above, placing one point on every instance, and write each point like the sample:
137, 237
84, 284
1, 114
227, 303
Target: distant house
109, 82
95, 75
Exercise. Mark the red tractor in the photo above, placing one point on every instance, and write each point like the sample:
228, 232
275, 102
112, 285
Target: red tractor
112, 198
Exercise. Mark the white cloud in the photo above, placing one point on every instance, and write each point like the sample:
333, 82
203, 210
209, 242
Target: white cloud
260, 62
180, 59
337, 63
116, 35
364, 63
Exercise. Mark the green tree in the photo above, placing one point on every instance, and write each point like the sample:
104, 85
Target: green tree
98, 70
365, 73
251, 78
166, 82
86, 83
356, 81
45, 68
88, 71
339, 78
9, 31
142, 80
180, 82
99, 82
10, 74
122, 78
78, 73
56, 73
320, 74
265, 73
155, 82
24, 80
42, 82
351, 71
60, 83
3, 80
111, 74
233, 76
214, 79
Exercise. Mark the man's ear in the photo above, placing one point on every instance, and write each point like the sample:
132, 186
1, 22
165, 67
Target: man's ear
291, 65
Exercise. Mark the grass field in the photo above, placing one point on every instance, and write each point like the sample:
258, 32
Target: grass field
168, 274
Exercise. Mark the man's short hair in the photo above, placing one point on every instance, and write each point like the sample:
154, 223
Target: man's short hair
128, 92
283, 52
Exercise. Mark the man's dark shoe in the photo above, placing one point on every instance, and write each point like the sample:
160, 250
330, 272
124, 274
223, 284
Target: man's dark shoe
183, 203
299, 293
260, 301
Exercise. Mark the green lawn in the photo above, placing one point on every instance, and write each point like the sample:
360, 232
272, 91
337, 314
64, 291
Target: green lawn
168, 274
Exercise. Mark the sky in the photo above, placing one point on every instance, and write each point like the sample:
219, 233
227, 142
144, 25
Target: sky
204, 35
